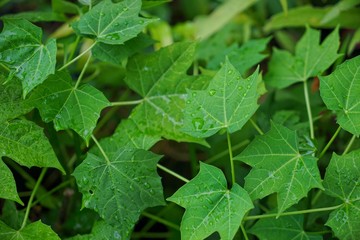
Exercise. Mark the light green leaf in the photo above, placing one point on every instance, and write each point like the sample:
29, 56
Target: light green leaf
283, 228
310, 60
160, 78
38, 16
153, 3
210, 206
12, 104
338, 8
342, 180
119, 183
117, 53
77, 108
8, 184
36, 230
128, 134
227, 103
112, 23
278, 166
340, 92
22, 50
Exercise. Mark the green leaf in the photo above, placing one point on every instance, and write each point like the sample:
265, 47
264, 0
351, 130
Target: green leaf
12, 104
101, 230
310, 60
117, 53
227, 103
36, 230
112, 23
283, 228
119, 183
160, 78
153, 3
11, 216
340, 92
210, 206
8, 184
38, 16
77, 108
25, 142
338, 8
128, 134
278, 166
22, 51
342, 180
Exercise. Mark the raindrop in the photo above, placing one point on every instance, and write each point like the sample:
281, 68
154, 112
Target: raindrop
240, 88
194, 94
117, 235
212, 92
248, 86
125, 9
244, 94
198, 123
230, 72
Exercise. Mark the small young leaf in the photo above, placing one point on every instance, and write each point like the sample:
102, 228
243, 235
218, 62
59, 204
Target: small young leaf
24, 142
279, 167
77, 108
283, 228
112, 23
160, 78
227, 103
340, 91
119, 183
22, 50
210, 206
342, 180
36, 230
310, 60
12, 104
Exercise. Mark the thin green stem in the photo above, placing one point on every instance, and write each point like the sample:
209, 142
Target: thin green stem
226, 152
316, 197
58, 187
330, 142
77, 57
308, 108
152, 235
126, 103
165, 169
160, 220
349, 145
244, 232
76, 43
257, 128
233, 180
101, 149
82, 72
272, 215
41, 177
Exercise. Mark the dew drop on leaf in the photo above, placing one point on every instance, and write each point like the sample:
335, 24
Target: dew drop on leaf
198, 123
212, 92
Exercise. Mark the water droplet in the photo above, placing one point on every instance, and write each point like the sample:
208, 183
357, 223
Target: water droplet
212, 92
58, 116
238, 78
141, 21
86, 132
198, 123
125, 9
230, 72
240, 88
244, 94
188, 101
248, 86
194, 94
102, 14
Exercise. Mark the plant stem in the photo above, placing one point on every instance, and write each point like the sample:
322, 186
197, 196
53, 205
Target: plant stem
271, 215
233, 180
82, 72
101, 150
42, 175
165, 169
330, 142
349, 145
77, 57
308, 108
61, 185
225, 152
257, 128
244, 232
126, 103
151, 235
160, 220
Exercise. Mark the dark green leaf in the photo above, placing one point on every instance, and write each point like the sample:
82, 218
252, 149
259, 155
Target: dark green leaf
8, 184
210, 206
112, 23
340, 91
77, 108
342, 180
11, 216
38, 16
22, 50
278, 166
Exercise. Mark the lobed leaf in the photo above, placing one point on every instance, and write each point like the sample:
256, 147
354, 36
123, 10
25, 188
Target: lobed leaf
77, 108
278, 166
36, 230
119, 183
112, 23
22, 50
160, 78
340, 92
310, 59
342, 181
228, 103
210, 206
